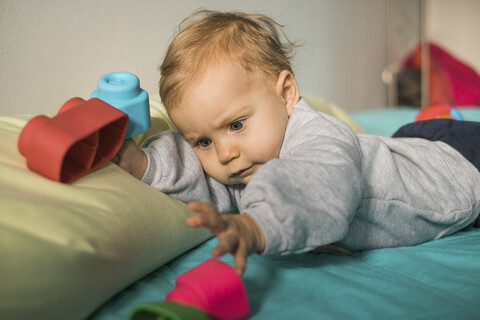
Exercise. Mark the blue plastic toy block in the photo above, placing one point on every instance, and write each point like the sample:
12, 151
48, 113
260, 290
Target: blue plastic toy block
122, 91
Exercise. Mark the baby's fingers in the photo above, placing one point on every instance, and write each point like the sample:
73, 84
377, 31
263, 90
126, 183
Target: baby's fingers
206, 217
240, 259
232, 244
201, 207
226, 243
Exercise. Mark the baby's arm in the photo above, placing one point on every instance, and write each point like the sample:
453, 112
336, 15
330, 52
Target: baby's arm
132, 159
168, 163
238, 234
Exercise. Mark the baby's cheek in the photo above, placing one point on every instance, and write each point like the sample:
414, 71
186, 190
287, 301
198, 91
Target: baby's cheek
216, 171
267, 145
205, 162
269, 151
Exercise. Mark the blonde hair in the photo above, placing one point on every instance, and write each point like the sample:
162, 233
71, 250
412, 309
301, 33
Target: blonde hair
254, 41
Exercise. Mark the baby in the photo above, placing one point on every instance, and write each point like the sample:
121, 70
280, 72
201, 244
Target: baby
301, 179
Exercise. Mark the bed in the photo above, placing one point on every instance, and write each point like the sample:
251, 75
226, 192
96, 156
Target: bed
107, 243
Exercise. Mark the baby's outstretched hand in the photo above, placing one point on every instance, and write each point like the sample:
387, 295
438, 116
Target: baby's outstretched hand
131, 158
238, 234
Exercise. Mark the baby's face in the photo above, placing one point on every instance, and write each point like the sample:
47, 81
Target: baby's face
234, 120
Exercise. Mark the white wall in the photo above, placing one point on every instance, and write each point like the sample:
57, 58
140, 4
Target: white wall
52, 50
455, 25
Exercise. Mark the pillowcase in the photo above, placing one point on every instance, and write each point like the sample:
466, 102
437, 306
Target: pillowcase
67, 248
330, 108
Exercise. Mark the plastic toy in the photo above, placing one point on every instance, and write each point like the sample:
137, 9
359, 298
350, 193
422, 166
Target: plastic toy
438, 112
79, 139
168, 311
122, 90
86, 134
213, 288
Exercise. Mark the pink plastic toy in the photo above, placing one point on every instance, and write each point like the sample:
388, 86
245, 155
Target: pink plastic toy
214, 287
80, 138
211, 290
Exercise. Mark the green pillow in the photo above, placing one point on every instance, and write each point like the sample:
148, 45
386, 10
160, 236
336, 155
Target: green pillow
67, 248
330, 108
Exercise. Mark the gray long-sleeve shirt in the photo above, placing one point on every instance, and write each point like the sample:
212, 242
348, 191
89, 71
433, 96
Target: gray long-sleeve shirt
330, 185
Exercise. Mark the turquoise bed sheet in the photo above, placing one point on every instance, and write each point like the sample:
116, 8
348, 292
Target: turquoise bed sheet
385, 122
435, 280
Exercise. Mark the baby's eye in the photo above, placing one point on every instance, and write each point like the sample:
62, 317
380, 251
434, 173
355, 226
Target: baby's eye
237, 125
204, 143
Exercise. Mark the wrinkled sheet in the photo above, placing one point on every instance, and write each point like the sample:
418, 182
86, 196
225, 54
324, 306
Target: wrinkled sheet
435, 280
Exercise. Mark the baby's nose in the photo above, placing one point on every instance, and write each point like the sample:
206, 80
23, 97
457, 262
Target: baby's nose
226, 152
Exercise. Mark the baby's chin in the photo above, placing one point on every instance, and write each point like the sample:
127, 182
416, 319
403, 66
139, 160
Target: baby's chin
234, 181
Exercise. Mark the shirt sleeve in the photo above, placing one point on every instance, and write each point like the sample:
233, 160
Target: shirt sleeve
174, 169
308, 197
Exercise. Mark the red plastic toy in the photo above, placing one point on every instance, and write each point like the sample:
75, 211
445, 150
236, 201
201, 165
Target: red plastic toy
212, 287
80, 138
438, 112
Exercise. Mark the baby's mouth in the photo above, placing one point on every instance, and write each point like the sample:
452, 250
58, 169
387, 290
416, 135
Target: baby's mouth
242, 172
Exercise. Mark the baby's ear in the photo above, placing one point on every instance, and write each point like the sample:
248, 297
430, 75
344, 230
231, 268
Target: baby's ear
287, 88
